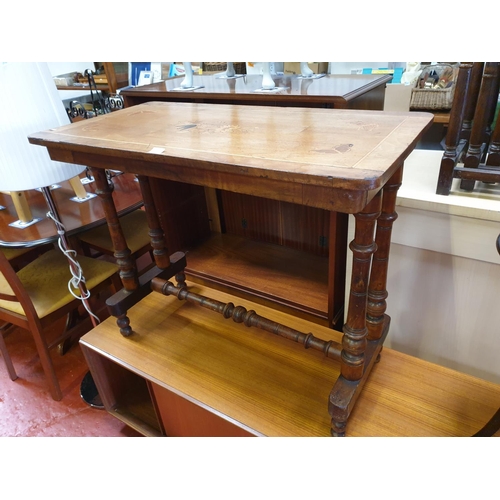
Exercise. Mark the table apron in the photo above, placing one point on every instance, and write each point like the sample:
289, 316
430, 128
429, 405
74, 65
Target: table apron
317, 196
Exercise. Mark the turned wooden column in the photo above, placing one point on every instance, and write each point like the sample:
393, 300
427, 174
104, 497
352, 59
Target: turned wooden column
452, 141
160, 251
483, 117
494, 151
128, 270
377, 289
355, 332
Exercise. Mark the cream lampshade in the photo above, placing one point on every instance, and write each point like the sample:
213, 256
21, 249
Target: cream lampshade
29, 102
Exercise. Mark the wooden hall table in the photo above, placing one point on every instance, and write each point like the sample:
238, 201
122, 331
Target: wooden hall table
280, 233
348, 161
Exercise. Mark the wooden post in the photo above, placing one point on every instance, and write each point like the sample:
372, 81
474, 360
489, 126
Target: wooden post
363, 246
377, 289
128, 270
21, 205
160, 251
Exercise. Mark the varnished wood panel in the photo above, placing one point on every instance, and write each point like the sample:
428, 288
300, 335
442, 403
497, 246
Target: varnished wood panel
182, 417
252, 217
288, 224
305, 228
263, 271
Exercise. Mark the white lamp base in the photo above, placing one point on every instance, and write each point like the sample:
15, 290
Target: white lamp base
184, 89
226, 77
19, 224
270, 91
314, 76
54, 186
83, 200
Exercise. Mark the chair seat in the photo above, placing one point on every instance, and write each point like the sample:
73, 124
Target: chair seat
135, 229
46, 281
12, 253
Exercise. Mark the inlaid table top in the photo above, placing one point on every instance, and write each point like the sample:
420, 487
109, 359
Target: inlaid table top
328, 158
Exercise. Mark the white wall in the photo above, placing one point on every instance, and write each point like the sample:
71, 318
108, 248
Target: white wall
346, 68
61, 68
444, 272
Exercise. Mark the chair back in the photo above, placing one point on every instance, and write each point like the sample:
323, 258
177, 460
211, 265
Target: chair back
15, 304
472, 144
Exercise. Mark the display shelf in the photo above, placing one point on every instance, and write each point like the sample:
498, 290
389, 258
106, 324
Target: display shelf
265, 272
115, 78
125, 394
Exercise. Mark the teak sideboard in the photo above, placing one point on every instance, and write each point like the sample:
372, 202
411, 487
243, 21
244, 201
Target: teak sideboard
344, 161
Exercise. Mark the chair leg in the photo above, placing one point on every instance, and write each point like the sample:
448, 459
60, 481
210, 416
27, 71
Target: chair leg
5, 353
47, 365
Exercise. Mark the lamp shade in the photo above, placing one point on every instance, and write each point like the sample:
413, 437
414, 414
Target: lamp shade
29, 102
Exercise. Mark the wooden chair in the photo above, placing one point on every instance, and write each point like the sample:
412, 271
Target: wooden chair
472, 144
15, 256
38, 295
136, 232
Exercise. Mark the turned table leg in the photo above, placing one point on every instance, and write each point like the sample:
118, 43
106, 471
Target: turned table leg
363, 246
128, 271
354, 341
377, 289
134, 287
160, 251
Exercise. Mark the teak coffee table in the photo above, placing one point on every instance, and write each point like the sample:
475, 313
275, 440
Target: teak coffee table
340, 160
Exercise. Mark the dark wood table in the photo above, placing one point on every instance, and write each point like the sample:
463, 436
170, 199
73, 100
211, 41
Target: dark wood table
330, 91
346, 161
75, 216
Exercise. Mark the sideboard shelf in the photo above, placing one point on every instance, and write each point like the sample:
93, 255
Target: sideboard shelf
290, 280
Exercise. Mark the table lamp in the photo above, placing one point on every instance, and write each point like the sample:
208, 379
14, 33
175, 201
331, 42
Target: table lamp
29, 103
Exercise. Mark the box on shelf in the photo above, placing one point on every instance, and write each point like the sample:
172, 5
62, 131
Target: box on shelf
67, 79
397, 97
293, 68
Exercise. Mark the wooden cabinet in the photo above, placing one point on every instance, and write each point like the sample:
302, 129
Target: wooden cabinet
115, 77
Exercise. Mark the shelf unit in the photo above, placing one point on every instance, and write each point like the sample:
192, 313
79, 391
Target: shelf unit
116, 78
